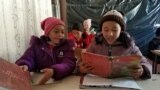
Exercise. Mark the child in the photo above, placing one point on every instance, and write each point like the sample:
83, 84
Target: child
154, 45
50, 54
87, 36
87, 25
76, 35
113, 40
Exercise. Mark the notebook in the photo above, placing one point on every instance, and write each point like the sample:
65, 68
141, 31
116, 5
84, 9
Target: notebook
114, 66
12, 77
93, 81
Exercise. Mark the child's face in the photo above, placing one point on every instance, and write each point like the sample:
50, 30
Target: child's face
56, 34
111, 31
87, 25
77, 33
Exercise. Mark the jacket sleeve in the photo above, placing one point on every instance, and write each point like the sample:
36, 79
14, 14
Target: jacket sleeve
67, 65
147, 67
28, 59
29, 56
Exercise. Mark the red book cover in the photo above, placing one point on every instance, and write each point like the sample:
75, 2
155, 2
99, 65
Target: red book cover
12, 77
113, 66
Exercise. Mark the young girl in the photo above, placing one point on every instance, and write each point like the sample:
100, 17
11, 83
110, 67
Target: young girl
50, 54
113, 40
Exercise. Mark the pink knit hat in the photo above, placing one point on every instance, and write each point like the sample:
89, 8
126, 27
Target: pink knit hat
49, 23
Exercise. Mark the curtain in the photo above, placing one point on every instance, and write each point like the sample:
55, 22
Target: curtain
19, 20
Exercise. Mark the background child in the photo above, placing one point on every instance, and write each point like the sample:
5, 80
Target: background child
51, 53
87, 36
76, 35
114, 41
154, 45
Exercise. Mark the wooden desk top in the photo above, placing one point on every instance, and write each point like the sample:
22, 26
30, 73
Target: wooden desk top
72, 83
156, 52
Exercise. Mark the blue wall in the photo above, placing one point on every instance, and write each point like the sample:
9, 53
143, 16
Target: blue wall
141, 16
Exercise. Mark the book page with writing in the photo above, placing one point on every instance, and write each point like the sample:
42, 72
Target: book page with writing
125, 82
93, 80
113, 66
97, 81
122, 64
12, 77
101, 64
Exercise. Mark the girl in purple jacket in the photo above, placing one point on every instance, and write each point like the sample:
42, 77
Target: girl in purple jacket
114, 41
51, 53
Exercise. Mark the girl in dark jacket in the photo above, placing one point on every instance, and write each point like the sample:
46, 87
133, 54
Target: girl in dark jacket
51, 53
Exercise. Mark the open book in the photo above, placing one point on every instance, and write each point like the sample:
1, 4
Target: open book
113, 66
93, 81
12, 77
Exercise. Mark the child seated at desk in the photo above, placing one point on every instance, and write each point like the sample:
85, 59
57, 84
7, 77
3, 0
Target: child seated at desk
87, 35
154, 45
76, 35
115, 41
50, 54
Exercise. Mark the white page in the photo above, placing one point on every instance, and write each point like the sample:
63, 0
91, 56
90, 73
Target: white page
2, 88
93, 80
126, 83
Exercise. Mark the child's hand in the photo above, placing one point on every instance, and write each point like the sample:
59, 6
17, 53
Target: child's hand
47, 74
85, 67
136, 71
24, 67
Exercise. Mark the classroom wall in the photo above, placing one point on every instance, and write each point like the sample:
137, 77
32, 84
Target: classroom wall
19, 19
141, 16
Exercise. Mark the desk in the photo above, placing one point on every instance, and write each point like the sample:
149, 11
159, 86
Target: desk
72, 83
154, 64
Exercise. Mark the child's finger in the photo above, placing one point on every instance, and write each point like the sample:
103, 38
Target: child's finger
47, 75
24, 68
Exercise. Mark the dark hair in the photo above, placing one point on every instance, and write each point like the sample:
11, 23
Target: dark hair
158, 32
77, 26
45, 38
126, 39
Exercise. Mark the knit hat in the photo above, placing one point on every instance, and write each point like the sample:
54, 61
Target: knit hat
77, 26
116, 16
49, 23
